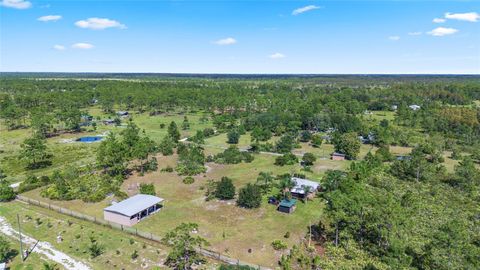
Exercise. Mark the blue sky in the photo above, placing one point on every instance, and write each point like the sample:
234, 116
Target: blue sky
240, 36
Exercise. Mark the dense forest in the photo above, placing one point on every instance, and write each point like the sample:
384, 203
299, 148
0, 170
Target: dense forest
383, 212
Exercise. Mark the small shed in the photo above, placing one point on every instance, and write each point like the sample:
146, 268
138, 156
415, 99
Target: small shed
338, 156
130, 211
287, 206
300, 186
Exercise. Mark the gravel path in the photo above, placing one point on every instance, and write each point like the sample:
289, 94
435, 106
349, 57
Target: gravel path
43, 248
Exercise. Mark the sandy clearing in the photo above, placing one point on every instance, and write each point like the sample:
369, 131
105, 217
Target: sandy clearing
44, 248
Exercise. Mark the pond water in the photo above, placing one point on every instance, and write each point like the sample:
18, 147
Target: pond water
89, 139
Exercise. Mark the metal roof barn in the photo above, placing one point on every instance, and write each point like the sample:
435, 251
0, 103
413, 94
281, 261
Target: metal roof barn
130, 211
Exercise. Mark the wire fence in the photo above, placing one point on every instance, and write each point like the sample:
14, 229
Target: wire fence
134, 231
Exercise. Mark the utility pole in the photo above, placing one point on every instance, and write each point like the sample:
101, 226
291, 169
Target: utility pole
20, 234
310, 233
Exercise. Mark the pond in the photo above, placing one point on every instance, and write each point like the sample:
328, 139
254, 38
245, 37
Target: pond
89, 139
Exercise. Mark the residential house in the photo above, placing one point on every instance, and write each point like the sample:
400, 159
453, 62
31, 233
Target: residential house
302, 185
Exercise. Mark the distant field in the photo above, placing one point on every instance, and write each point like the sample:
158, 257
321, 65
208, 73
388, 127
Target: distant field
78, 154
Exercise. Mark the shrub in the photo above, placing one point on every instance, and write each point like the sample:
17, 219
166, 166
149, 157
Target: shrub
95, 249
316, 140
4, 249
279, 245
305, 136
121, 195
208, 132
166, 146
233, 136
188, 180
383, 153
198, 138
286, 159
148, 189
151, 165
257, 147
185, 123
233, 155
285, 144
249, 196
225, 189
33, 182
6, 193
210, 189
191, 160
308, 159
167, 169
134, 254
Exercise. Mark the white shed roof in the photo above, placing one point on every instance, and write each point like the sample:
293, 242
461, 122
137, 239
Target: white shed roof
134, 204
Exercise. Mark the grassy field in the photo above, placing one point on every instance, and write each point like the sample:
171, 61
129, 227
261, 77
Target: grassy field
76, 234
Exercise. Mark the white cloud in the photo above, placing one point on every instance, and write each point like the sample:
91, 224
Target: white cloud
59, 47
49, 18
99, 24
301, 10
277, 56
226, 41
468, 16
439, 20
414, 33
18, 4
83, 46
442, 31
394, 38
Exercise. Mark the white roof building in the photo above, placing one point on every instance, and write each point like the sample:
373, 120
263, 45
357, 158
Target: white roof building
130, 211
301, 183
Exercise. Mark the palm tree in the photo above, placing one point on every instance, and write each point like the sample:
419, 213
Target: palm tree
265, 180
286, 184
307, 190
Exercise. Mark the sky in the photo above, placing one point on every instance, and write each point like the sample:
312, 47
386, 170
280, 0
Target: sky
251, 37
